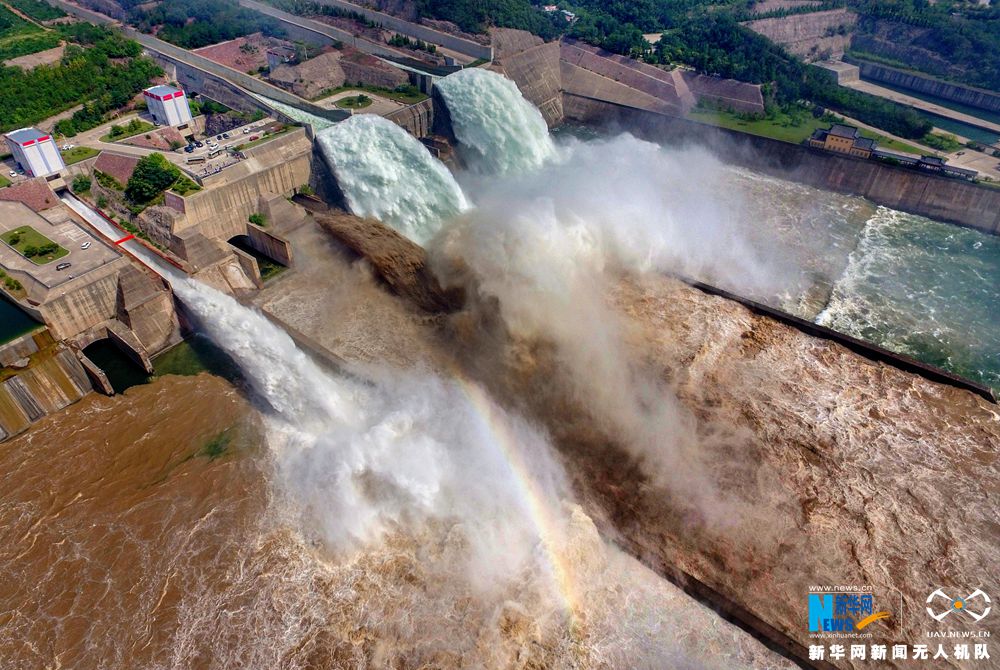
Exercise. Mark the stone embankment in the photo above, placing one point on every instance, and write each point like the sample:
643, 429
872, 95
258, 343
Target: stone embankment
811, 36
921, 83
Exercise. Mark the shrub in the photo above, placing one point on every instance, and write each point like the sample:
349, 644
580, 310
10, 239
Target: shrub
258, 220
81, 183
102, 202
153, 175
31, 251
15, 239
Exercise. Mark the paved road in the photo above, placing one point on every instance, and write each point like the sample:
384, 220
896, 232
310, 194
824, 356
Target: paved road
902, 98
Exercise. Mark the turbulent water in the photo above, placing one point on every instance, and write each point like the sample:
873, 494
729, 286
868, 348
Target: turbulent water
376, 517
385, 173
498, 130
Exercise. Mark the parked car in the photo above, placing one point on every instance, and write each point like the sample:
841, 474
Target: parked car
63, 266
218, 137
85, 246
13, 174
225, 135
67, 147
246, 131
20, 171
189, 148
254, 137
199, 144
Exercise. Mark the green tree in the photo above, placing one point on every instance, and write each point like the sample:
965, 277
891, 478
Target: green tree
153, 175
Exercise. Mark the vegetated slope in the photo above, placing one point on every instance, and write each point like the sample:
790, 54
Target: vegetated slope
100, 69
964, 47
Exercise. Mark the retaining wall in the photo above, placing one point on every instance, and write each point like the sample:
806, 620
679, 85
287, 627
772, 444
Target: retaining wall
448, 41
940, 198
275, 247
966, 95
223, 208
417, 119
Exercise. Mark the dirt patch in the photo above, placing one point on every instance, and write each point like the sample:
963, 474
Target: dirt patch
30, 61
246, 54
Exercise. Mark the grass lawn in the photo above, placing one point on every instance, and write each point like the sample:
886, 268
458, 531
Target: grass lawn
134, 127
77, 154
781, 127
359, 101
788, 128
29, 237
409, 96
4, 181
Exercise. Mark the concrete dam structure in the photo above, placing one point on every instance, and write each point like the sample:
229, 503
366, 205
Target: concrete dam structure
574, 83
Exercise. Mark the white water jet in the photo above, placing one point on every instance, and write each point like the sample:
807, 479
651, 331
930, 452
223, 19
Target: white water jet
499, 132
361, 459
386, 174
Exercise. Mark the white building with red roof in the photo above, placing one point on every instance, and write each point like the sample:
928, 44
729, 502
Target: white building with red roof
167, 105
35, 152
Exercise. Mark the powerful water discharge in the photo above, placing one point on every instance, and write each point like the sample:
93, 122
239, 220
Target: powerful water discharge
386, 174
412, 518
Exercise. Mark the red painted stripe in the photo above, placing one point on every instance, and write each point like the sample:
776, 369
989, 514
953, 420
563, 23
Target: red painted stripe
125, 239
44, 139
28, 143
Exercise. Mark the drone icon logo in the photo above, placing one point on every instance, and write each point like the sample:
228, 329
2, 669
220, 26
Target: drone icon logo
959, 605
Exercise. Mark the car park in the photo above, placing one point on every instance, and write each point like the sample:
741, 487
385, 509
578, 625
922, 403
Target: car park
63, 266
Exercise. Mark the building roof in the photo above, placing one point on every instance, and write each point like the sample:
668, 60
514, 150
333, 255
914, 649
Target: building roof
118, 166
162, 90
23, 135
35, 193
864, 143
839, 130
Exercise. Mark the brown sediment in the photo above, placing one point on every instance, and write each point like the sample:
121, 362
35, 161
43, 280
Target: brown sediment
824, 467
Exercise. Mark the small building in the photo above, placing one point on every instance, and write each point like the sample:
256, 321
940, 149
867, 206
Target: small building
279, 55
932, 164
35, 152
843, 139
167, 105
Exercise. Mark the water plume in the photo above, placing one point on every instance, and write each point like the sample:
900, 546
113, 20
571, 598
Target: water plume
499, 132
386, 174
363, 458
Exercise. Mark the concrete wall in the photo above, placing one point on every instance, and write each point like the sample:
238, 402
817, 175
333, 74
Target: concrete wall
274, 246
940, 198
54, 380
83, 302
967, 95
18, 349
222, 209
536, 72
453, 42
199, 74
806, 35
302, 29
417, 119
